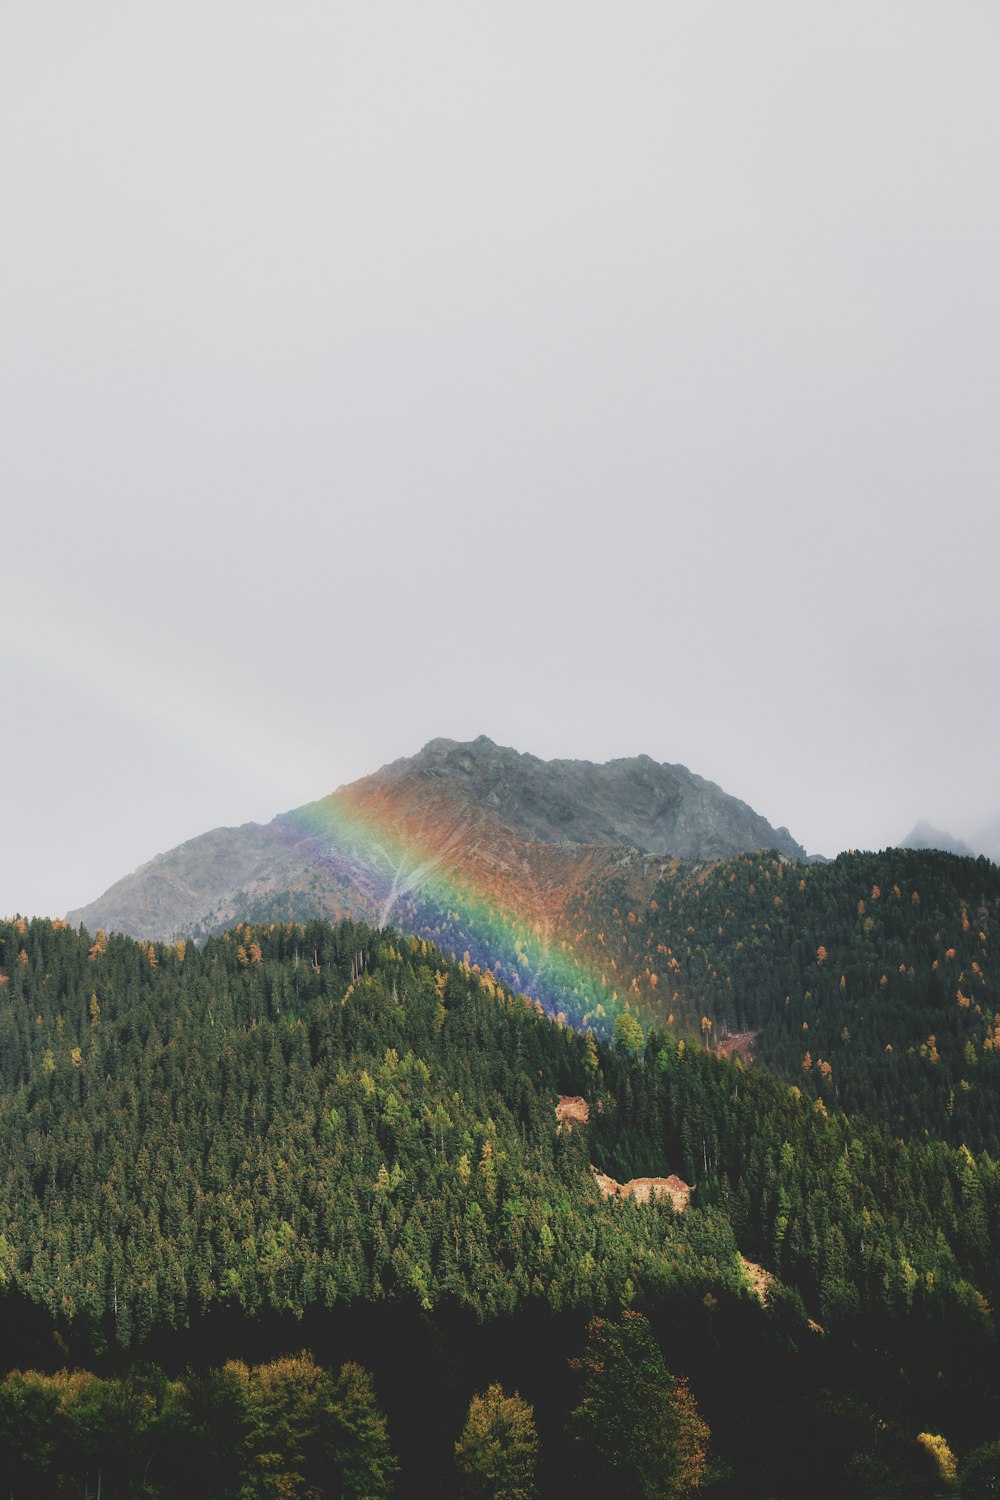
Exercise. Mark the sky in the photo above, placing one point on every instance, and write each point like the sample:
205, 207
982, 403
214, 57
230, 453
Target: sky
604, 378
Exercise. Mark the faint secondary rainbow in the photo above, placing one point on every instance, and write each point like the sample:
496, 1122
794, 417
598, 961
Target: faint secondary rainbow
215, 721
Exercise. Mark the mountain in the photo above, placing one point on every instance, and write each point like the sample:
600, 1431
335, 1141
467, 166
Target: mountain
865, 981
987, 840
528, 830
657, 809
925, 836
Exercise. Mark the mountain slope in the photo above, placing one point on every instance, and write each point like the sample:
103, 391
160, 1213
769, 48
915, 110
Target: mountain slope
344, 1131
296, 1132
522, 827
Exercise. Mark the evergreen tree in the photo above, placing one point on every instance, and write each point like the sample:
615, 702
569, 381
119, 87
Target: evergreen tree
638, 1430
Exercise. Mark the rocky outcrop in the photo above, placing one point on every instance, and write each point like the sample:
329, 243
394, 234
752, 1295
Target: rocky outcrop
655, 808
645, 1189
572, 1109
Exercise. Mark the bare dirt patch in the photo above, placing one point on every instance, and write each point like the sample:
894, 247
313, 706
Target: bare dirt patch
572, 1109
759, 1280
645, 1189
740, 1045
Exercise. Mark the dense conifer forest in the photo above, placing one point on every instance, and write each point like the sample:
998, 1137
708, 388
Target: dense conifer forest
299, 1197
868, 981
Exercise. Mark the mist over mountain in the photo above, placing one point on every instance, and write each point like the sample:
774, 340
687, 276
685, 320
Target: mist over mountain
925, 836
523, 824
987, 841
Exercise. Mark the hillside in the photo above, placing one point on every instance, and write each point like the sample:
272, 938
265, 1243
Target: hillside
512, 821
344, 1127
870, 982
867, 981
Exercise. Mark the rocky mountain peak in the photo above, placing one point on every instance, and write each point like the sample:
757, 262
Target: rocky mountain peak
653, 807
455, 804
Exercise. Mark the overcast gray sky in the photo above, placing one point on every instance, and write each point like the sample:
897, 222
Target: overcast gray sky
605, 378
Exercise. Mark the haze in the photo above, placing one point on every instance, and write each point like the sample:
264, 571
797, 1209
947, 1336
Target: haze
605, 379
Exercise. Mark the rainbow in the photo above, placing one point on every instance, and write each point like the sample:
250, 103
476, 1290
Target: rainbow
411, 878
416, 879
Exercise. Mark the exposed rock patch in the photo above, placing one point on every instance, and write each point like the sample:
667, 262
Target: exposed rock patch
759, 1280
740, 1045
572, 1109
639, 802
645, 1189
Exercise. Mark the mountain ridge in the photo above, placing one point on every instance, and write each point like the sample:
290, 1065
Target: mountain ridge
582, 801
985, 842
455, 804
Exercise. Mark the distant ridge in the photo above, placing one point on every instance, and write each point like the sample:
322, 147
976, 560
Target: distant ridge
925, 836
522, 827
986, 841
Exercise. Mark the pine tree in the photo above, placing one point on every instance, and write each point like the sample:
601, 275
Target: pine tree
637, 1428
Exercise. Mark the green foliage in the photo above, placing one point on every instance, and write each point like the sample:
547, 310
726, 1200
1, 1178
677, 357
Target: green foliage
638, 1428
861, 1223
297, 1122
980, 1473
361, 1463
628, 1033
286, 1429
496, 1455
869, 982
294, 1117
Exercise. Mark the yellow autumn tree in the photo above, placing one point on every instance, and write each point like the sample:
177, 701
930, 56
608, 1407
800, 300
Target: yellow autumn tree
496, 1455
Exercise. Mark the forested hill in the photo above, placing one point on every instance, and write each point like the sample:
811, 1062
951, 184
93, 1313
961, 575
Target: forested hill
868, 981
307, 1122
871, 981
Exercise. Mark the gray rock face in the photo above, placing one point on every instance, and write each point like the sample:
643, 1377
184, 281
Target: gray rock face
226, 874
657, 809
166, 898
